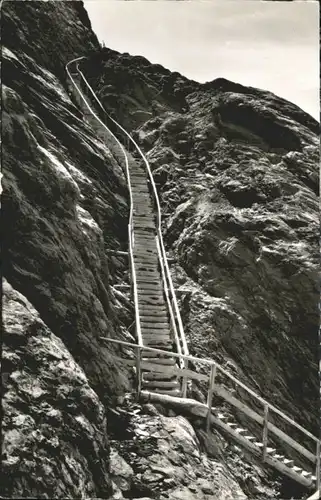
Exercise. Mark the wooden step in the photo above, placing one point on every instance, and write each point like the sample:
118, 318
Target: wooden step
162, 384
153, 338
151, 355
288, 462
158, 334
306, 474
146, 300
145, 206
148, 230
162, 361
164, 346
144, 224
154, 297
153, 310
146, 246
143, 236
222, 416
162, 319
143, 211
146, 269
150, 281
145, 218
142, 199
156, 331
140, 193
150, 288
155, 325
152, 278
153, 256
146, 260
149, 295
157, 376
171, 392
158, 343
146, 256
148, 278
250, 438
270, 450
297, 469
148, 240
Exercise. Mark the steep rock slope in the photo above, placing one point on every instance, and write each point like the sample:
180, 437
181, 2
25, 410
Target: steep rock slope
55, 433
237, 175
57, 200
64, 204
65, 207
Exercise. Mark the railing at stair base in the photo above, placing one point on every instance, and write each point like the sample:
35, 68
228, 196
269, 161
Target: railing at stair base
172, 301
215, 389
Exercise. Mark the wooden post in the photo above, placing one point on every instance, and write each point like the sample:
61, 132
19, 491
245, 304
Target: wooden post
138, 371
265, 430
318, 466
210, 396
184, 380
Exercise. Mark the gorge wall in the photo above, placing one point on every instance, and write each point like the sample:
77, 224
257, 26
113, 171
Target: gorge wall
236, 169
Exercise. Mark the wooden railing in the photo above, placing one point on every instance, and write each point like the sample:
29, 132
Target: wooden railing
215, 389
130, 222
175, 317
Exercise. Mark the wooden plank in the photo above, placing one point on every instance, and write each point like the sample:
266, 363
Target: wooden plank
223, 393
175, 370
210, 397
318, 466
265, 430
138, 371
154, 325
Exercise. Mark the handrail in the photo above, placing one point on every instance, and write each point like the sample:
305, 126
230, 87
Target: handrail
161, 251
227, 374
130, 224
171, 313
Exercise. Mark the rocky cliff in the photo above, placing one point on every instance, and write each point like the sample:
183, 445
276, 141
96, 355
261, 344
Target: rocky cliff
236, 169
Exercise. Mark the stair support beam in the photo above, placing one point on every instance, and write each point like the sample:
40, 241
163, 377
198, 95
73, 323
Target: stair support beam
318, 466
210, 396
265, 430
138, 371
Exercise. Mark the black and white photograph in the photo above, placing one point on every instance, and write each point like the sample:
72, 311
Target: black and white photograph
160, 250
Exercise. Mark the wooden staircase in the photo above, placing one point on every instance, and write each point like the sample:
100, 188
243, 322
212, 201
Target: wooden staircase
153, 310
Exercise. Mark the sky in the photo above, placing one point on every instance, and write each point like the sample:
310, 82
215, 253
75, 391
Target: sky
270, 45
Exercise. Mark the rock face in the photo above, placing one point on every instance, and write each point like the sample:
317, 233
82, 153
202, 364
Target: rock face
166, 460
62, 215
236, 169
54, 427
